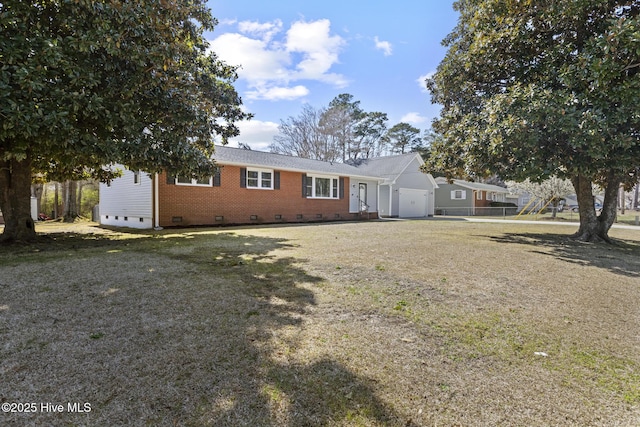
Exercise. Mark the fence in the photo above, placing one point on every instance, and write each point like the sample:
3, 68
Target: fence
484, 211
630, 217
506, 211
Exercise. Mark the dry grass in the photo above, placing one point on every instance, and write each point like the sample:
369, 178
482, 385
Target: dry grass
419, 323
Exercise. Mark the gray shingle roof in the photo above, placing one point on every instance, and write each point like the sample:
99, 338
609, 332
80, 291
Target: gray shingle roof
388, 166
380, 167
474, 185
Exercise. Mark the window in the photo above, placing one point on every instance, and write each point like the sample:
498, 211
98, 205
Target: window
321, 187
136, 177
265, 180
259, 178
479, 195
181, 180
458, 194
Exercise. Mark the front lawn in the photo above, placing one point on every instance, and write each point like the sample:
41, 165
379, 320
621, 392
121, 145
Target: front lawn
405, 323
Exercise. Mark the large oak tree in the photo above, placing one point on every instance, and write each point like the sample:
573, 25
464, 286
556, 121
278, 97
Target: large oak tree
85, 84
536, 88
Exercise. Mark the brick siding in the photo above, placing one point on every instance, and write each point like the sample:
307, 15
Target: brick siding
182, 205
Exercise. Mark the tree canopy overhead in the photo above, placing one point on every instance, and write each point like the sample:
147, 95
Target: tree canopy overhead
532, 89
84, 84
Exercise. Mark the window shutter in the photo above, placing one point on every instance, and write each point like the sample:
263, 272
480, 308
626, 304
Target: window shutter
341, 187
276, 180
216, 178
304, 185
464, 195
171, 180
243, 177
453, 194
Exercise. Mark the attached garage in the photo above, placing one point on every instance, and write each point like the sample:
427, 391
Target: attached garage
413, 203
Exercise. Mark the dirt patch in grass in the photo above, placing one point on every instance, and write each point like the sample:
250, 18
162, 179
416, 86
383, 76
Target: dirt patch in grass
371, 324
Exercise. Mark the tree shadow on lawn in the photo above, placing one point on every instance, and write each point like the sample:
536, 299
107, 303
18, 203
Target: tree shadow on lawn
622, 257
201, 338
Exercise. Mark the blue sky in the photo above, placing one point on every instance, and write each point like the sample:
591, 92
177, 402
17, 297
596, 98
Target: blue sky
296, 53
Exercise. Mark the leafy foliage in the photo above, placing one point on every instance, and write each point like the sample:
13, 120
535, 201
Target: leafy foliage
403, 136
533, 89
90, 83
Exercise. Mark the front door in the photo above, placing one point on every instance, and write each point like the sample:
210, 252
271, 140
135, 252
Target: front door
362, 196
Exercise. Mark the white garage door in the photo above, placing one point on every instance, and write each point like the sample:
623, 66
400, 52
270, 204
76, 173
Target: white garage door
413, 203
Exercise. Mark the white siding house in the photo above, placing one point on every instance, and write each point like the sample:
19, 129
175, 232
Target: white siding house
127, 201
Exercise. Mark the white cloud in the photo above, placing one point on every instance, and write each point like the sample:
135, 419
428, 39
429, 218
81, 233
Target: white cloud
271, 61
421, 81
265, 30
257, 134
278, 93
259, 64
413, 117
384, 46
319, 49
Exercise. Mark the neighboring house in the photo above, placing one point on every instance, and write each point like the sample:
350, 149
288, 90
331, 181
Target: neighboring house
259, 187
467, 198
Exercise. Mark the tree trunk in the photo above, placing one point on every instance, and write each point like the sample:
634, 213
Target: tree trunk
595, 228
56, 201
81, 185
554, 208
15, 201
70, 201
44, 197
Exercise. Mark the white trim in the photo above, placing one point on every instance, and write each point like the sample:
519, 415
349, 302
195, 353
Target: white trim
194, 183
334, 186
454, 194
260, 171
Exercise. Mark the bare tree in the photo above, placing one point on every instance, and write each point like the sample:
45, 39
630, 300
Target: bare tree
350, 114
336, 124
302, 136
340, 132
